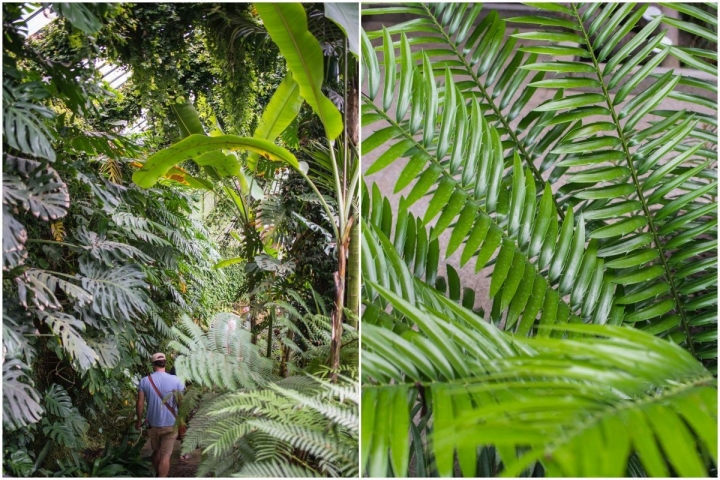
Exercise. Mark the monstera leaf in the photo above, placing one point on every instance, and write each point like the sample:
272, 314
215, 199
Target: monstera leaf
118, 293
48, 197
43, 285
21, 405
57, 401
108, 354
108, 251
271, 264
68, 329
23, 121
14, 238
15, 191
44, 194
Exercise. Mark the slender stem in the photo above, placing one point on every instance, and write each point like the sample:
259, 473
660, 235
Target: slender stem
351, 192
53, 242
636, 182
270, 332
498, 112
345, 105
61, 274
338, 188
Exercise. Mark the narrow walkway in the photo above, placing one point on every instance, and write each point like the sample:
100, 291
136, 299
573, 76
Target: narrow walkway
177, 468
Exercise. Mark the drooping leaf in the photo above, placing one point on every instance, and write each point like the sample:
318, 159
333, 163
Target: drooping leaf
196, 145
347, 17
287, 25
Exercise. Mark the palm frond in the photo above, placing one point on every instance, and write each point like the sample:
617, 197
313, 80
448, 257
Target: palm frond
275, 469
644, 197
554, 401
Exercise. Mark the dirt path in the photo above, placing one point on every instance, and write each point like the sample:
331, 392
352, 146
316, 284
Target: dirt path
177, 468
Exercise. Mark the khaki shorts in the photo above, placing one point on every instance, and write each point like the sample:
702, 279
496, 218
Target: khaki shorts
163, 439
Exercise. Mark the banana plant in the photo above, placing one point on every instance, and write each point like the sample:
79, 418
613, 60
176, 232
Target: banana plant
287, 26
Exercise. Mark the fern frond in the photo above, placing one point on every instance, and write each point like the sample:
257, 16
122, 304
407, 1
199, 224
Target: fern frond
57, 229
337, 415
111, 167
275, 469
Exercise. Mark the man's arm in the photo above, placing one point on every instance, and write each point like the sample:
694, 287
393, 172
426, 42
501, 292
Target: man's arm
139, 406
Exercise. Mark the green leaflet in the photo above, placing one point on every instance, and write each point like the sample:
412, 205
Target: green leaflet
227, 262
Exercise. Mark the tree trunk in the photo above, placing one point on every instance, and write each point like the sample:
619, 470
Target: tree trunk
270, 333
353, 294
351, 115
337, 316
285, 357
253, 320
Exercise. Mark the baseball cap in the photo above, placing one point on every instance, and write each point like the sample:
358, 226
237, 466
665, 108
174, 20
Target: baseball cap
158, 356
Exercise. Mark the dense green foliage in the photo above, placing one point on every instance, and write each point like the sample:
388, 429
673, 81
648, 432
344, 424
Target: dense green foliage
95, 270
595, 207
252, 421
99, 270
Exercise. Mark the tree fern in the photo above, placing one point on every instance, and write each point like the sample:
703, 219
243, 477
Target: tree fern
319, 431
644, 203
250, 418
223, 357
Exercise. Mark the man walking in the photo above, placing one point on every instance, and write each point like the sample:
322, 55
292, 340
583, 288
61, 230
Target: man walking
159, 389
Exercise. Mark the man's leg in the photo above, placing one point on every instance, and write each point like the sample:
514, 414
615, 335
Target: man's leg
155, 444
167, 442
156, 459
164, 466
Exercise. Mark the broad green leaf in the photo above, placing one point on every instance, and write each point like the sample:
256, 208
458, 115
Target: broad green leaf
283, 108
195, 145
187, 118
287, 25
224, 165
347, 17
